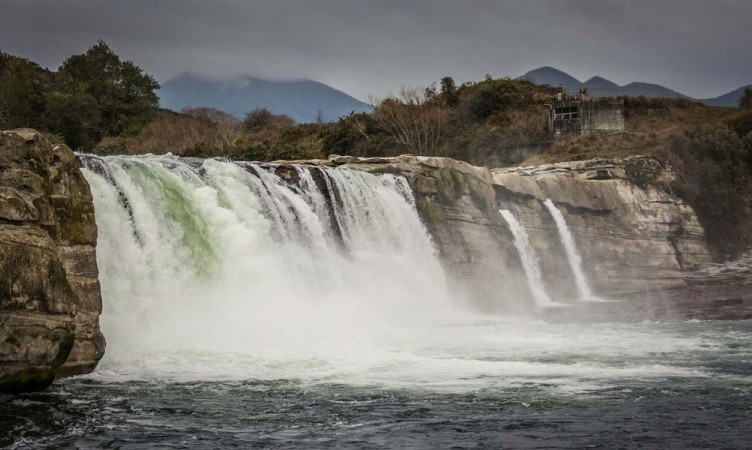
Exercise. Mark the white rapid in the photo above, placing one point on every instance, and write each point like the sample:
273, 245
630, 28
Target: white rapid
216, 256
573, 256
529, 259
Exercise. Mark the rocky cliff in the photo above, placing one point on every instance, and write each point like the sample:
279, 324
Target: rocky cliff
458, 206
49, 292
633, 234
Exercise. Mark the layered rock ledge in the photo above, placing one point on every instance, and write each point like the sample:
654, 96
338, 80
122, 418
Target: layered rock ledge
633, 234
49, 293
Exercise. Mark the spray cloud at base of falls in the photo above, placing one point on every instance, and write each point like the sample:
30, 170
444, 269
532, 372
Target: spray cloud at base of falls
212, 254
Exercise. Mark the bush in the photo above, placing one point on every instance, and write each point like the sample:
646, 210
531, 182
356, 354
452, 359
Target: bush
714, 175
260, 118
742, 124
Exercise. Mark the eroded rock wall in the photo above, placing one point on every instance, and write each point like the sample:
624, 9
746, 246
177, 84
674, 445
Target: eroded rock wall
49, 292
633, 234
458, 206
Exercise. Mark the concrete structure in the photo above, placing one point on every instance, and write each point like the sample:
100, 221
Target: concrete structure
586, 116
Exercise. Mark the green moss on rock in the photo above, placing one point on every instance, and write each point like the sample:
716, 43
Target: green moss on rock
431, 212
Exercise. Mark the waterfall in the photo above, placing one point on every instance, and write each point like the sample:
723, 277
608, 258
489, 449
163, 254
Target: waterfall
529, 260
575, 261
220, 255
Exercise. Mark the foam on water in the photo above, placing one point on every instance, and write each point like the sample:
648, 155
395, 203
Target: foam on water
459, 357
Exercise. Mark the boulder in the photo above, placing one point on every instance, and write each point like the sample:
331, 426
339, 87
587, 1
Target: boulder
49, 292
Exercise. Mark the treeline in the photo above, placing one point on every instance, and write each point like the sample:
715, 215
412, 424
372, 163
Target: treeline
91, 96
208, 132
97, 102
476, 122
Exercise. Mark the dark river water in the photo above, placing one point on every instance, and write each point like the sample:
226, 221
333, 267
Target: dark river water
492, 384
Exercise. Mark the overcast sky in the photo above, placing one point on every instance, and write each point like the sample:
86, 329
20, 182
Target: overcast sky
700, 48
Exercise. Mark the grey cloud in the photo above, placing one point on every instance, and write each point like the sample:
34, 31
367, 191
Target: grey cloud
697, 47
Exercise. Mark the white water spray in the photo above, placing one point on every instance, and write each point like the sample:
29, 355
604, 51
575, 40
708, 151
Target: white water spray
221, 256
529, 260
570, 248
219, 271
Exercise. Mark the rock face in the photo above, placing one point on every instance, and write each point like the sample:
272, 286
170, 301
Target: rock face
458, 206
730, 272
49, 292
632, 233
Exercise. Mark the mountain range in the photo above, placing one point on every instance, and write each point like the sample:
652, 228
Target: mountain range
306, 100
599, 86
302, 100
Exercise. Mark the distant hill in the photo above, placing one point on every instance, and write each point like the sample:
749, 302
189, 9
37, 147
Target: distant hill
554, 77
300, 99
651, 90
601, 86
728, 99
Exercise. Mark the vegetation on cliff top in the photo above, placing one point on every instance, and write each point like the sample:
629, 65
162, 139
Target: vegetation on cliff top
96, 102
90, 96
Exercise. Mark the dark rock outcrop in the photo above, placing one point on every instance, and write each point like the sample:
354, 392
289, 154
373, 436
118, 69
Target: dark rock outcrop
49, 292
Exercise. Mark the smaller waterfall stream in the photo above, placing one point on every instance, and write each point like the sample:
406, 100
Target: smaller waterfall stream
573, 256
529, 260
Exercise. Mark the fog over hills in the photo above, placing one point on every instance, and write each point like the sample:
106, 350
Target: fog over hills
303, 99
598, 86
300, 99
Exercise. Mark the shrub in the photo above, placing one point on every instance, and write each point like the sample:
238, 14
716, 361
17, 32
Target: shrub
714, 176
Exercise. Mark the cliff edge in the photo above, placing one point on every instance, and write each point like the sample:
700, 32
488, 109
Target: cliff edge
49, 293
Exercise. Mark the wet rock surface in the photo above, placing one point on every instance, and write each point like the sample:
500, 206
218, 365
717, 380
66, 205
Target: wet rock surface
731, 272
49, 292
633, 234
694, 302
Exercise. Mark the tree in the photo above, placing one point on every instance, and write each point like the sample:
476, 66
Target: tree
73, 114
226, 129
23, 85
413, 121
123, 95
527, 127
259, 118
449, 94
745, 102
491, 97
